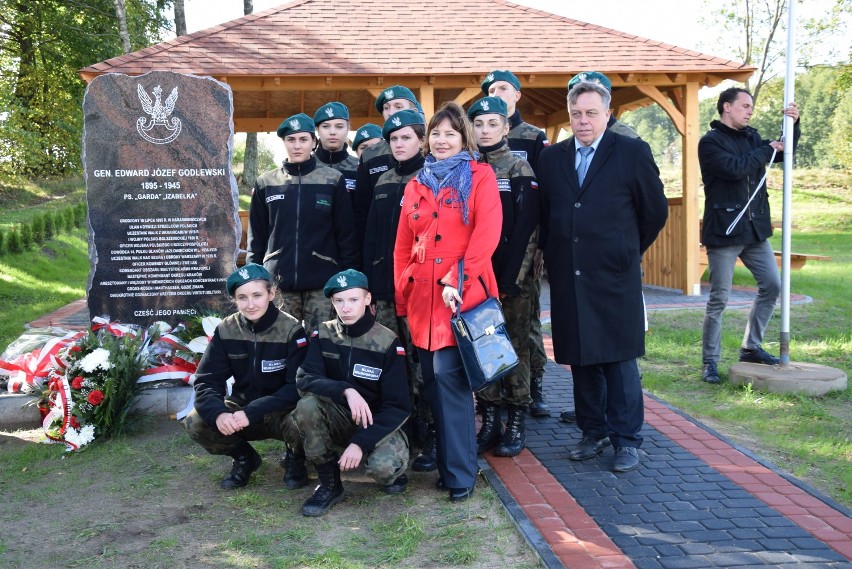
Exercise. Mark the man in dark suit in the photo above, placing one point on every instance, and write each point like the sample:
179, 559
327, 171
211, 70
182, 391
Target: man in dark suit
602, 207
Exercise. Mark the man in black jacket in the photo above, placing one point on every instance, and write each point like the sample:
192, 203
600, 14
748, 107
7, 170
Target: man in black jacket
733, 160
354, 397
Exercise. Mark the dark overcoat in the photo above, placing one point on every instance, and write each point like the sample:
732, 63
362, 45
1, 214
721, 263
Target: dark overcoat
593, 239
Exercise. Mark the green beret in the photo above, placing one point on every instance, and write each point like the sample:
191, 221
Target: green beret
500, 75
296, 123
395, 92
331, 111
248, 273
366, 132
591, 77
400, 119
344, 280
488, 105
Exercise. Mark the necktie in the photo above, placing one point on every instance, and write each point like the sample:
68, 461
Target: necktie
585, 152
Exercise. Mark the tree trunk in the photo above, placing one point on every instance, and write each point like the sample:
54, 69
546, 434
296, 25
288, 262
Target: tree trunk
121, 16
250, 159
180, 18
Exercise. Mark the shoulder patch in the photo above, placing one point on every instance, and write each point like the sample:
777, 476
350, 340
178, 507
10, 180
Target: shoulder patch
400, 351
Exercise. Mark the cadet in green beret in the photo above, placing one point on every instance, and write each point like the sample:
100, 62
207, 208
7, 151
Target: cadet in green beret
355, 398
261, 348
377, 159
405, 132
332, 121
300, 224
368, 135
527, 142
512, 262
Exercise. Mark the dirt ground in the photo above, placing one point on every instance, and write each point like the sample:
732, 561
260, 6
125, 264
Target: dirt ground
152, 500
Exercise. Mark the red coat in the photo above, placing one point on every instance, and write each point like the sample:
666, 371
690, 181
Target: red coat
431, 238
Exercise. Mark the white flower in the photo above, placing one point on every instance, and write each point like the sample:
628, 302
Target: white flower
80, 438
99, 358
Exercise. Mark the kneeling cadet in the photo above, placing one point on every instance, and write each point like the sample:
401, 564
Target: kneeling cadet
355, 398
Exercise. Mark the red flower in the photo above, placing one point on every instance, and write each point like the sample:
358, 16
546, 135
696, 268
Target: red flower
96, 397
74, 422
77, 382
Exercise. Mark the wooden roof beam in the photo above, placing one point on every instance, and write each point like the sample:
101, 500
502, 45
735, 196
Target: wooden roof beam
666, 104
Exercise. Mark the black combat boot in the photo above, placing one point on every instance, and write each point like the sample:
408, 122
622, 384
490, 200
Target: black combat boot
492, 428
328, 493
428, 459
295, 469
515, 436
246, 461
539, 407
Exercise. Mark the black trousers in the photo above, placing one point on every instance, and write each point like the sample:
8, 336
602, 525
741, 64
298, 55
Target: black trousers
448, 392
609, 402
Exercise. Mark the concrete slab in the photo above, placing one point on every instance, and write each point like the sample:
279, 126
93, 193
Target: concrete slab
797, 377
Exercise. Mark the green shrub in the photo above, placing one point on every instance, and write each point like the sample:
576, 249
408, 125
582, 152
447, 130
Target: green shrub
80, 214
38, 229
68, 219
26, 237
2, 242
13, 242
49, 225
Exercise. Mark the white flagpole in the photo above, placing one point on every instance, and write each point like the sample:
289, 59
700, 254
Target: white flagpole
786, 222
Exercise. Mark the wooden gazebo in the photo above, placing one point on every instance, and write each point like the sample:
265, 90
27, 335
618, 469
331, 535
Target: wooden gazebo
302, 54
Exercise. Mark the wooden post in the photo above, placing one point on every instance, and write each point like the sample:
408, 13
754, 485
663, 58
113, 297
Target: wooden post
427, 99
691, 269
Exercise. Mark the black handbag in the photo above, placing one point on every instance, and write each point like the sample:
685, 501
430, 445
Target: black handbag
486, 351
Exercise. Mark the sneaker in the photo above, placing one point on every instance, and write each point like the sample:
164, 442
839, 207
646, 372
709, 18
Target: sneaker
758, 356
710, 374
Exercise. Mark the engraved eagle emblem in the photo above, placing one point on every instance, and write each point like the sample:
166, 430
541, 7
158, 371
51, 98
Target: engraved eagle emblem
484, 105
396, 121
160, 129
341, 280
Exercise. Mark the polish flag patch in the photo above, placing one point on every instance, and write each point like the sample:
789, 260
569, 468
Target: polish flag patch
315, 333
301, 342
534, 185
400, 351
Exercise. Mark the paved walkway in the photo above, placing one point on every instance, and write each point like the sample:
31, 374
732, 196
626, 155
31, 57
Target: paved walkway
697, 501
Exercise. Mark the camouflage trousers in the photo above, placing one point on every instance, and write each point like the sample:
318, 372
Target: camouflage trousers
311, 308
538, 357
326, 429
514, 389
386, 316
278, 425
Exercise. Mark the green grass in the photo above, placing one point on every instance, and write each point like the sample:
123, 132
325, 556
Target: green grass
21, 199
36, 283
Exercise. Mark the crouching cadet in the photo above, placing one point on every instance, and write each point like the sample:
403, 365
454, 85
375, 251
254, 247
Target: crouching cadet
355, 397
261, 348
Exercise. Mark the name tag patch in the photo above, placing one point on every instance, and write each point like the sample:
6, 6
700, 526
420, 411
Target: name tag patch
275, 197
367, 372
520, 153
350, 184
269, 366
378, 169
504, 185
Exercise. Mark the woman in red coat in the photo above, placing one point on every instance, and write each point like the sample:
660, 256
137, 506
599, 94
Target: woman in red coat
450, 211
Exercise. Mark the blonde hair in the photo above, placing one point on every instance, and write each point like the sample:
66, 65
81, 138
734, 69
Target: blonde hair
459, 122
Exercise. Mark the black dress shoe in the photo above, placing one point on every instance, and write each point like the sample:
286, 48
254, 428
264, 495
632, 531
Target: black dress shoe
626, 459
758, 356
588, 448
568, 416
460, 494
439, 484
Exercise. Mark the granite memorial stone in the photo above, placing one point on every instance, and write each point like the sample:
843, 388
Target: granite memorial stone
162, 200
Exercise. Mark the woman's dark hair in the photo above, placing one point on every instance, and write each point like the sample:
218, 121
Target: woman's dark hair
729, 96
459, 122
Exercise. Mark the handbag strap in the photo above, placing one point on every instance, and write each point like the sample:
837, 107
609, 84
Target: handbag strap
461, 283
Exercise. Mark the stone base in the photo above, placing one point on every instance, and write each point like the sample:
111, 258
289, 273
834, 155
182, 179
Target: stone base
797, 377
166, 400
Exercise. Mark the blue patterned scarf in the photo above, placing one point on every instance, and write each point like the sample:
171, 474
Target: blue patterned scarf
453, 172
